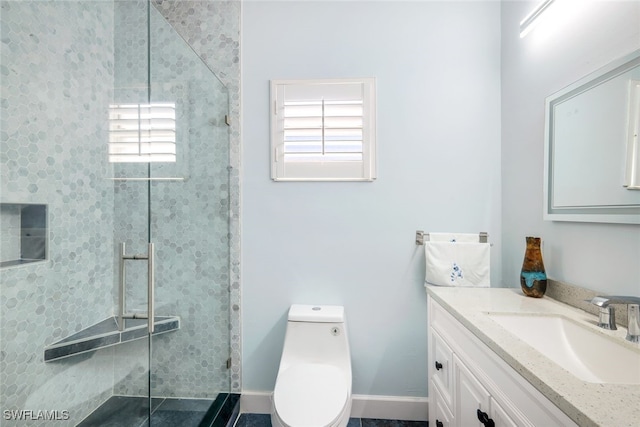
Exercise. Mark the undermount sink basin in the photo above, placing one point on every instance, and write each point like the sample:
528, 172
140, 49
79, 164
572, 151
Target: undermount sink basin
587, 354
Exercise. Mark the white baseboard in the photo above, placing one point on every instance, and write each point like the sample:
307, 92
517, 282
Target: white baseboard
255, 402
363, 406
390, 407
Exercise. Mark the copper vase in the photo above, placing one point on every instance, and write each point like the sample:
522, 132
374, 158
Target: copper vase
533, 278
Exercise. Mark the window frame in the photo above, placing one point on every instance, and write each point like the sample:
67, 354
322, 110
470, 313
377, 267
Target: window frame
324, 169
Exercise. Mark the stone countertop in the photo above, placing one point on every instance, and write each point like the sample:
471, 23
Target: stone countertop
588, 404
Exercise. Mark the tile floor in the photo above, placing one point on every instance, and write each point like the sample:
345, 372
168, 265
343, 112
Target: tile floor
261, 420
121, 411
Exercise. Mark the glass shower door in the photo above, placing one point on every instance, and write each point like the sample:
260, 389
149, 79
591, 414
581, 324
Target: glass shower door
189, 225
175, 205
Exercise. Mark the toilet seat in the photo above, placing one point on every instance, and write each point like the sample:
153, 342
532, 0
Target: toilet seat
310, 395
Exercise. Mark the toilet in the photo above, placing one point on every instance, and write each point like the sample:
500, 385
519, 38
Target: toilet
313, 387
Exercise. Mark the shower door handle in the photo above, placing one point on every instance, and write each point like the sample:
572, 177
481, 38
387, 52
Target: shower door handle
121, 289
122, 313
150, 291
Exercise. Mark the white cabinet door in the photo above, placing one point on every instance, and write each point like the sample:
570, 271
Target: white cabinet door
442, 365
470, 397
442, 416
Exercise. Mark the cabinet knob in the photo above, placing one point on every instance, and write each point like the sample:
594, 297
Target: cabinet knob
438, 365
439, 423
483, 417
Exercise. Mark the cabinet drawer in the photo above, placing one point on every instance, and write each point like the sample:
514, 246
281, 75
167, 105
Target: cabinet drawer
441, 368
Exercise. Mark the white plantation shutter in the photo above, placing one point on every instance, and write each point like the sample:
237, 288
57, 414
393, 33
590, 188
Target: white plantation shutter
140, 133
323, 130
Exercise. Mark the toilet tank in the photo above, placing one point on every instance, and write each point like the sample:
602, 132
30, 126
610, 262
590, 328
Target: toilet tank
316, 313
316, 334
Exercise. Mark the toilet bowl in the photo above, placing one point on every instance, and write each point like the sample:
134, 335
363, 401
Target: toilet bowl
313, 386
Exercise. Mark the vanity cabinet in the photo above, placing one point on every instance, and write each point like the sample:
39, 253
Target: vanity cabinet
470, 385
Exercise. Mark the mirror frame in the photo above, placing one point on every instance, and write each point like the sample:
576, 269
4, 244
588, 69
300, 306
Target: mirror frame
629, 214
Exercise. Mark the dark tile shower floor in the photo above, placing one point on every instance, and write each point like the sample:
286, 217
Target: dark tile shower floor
261, 420
126, 411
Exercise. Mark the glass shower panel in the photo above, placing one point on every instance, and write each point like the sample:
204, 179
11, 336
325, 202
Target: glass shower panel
189, 224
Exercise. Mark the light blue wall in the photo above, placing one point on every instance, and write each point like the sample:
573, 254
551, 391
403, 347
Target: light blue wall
437, 66
602, 257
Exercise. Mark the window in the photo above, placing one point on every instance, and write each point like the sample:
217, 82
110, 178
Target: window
323, 130
140, 133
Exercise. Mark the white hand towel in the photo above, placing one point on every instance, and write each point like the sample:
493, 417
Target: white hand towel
453, 237
458, 264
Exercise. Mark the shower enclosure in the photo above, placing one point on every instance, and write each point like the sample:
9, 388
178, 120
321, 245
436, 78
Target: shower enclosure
114, 219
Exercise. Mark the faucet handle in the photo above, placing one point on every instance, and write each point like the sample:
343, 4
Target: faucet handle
633, 329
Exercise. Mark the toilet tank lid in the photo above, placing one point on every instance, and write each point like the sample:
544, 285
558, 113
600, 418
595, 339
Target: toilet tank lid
316, 313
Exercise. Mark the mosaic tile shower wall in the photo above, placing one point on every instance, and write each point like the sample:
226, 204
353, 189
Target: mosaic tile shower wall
51, 146
59, 83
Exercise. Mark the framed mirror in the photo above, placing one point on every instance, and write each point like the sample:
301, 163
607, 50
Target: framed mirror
592, 160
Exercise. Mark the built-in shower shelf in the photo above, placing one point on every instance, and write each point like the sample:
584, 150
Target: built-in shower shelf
106, 334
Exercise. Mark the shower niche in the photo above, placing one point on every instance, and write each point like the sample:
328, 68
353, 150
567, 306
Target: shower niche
23, 230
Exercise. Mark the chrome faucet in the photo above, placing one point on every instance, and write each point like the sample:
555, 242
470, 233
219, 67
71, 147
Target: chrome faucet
607, 318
